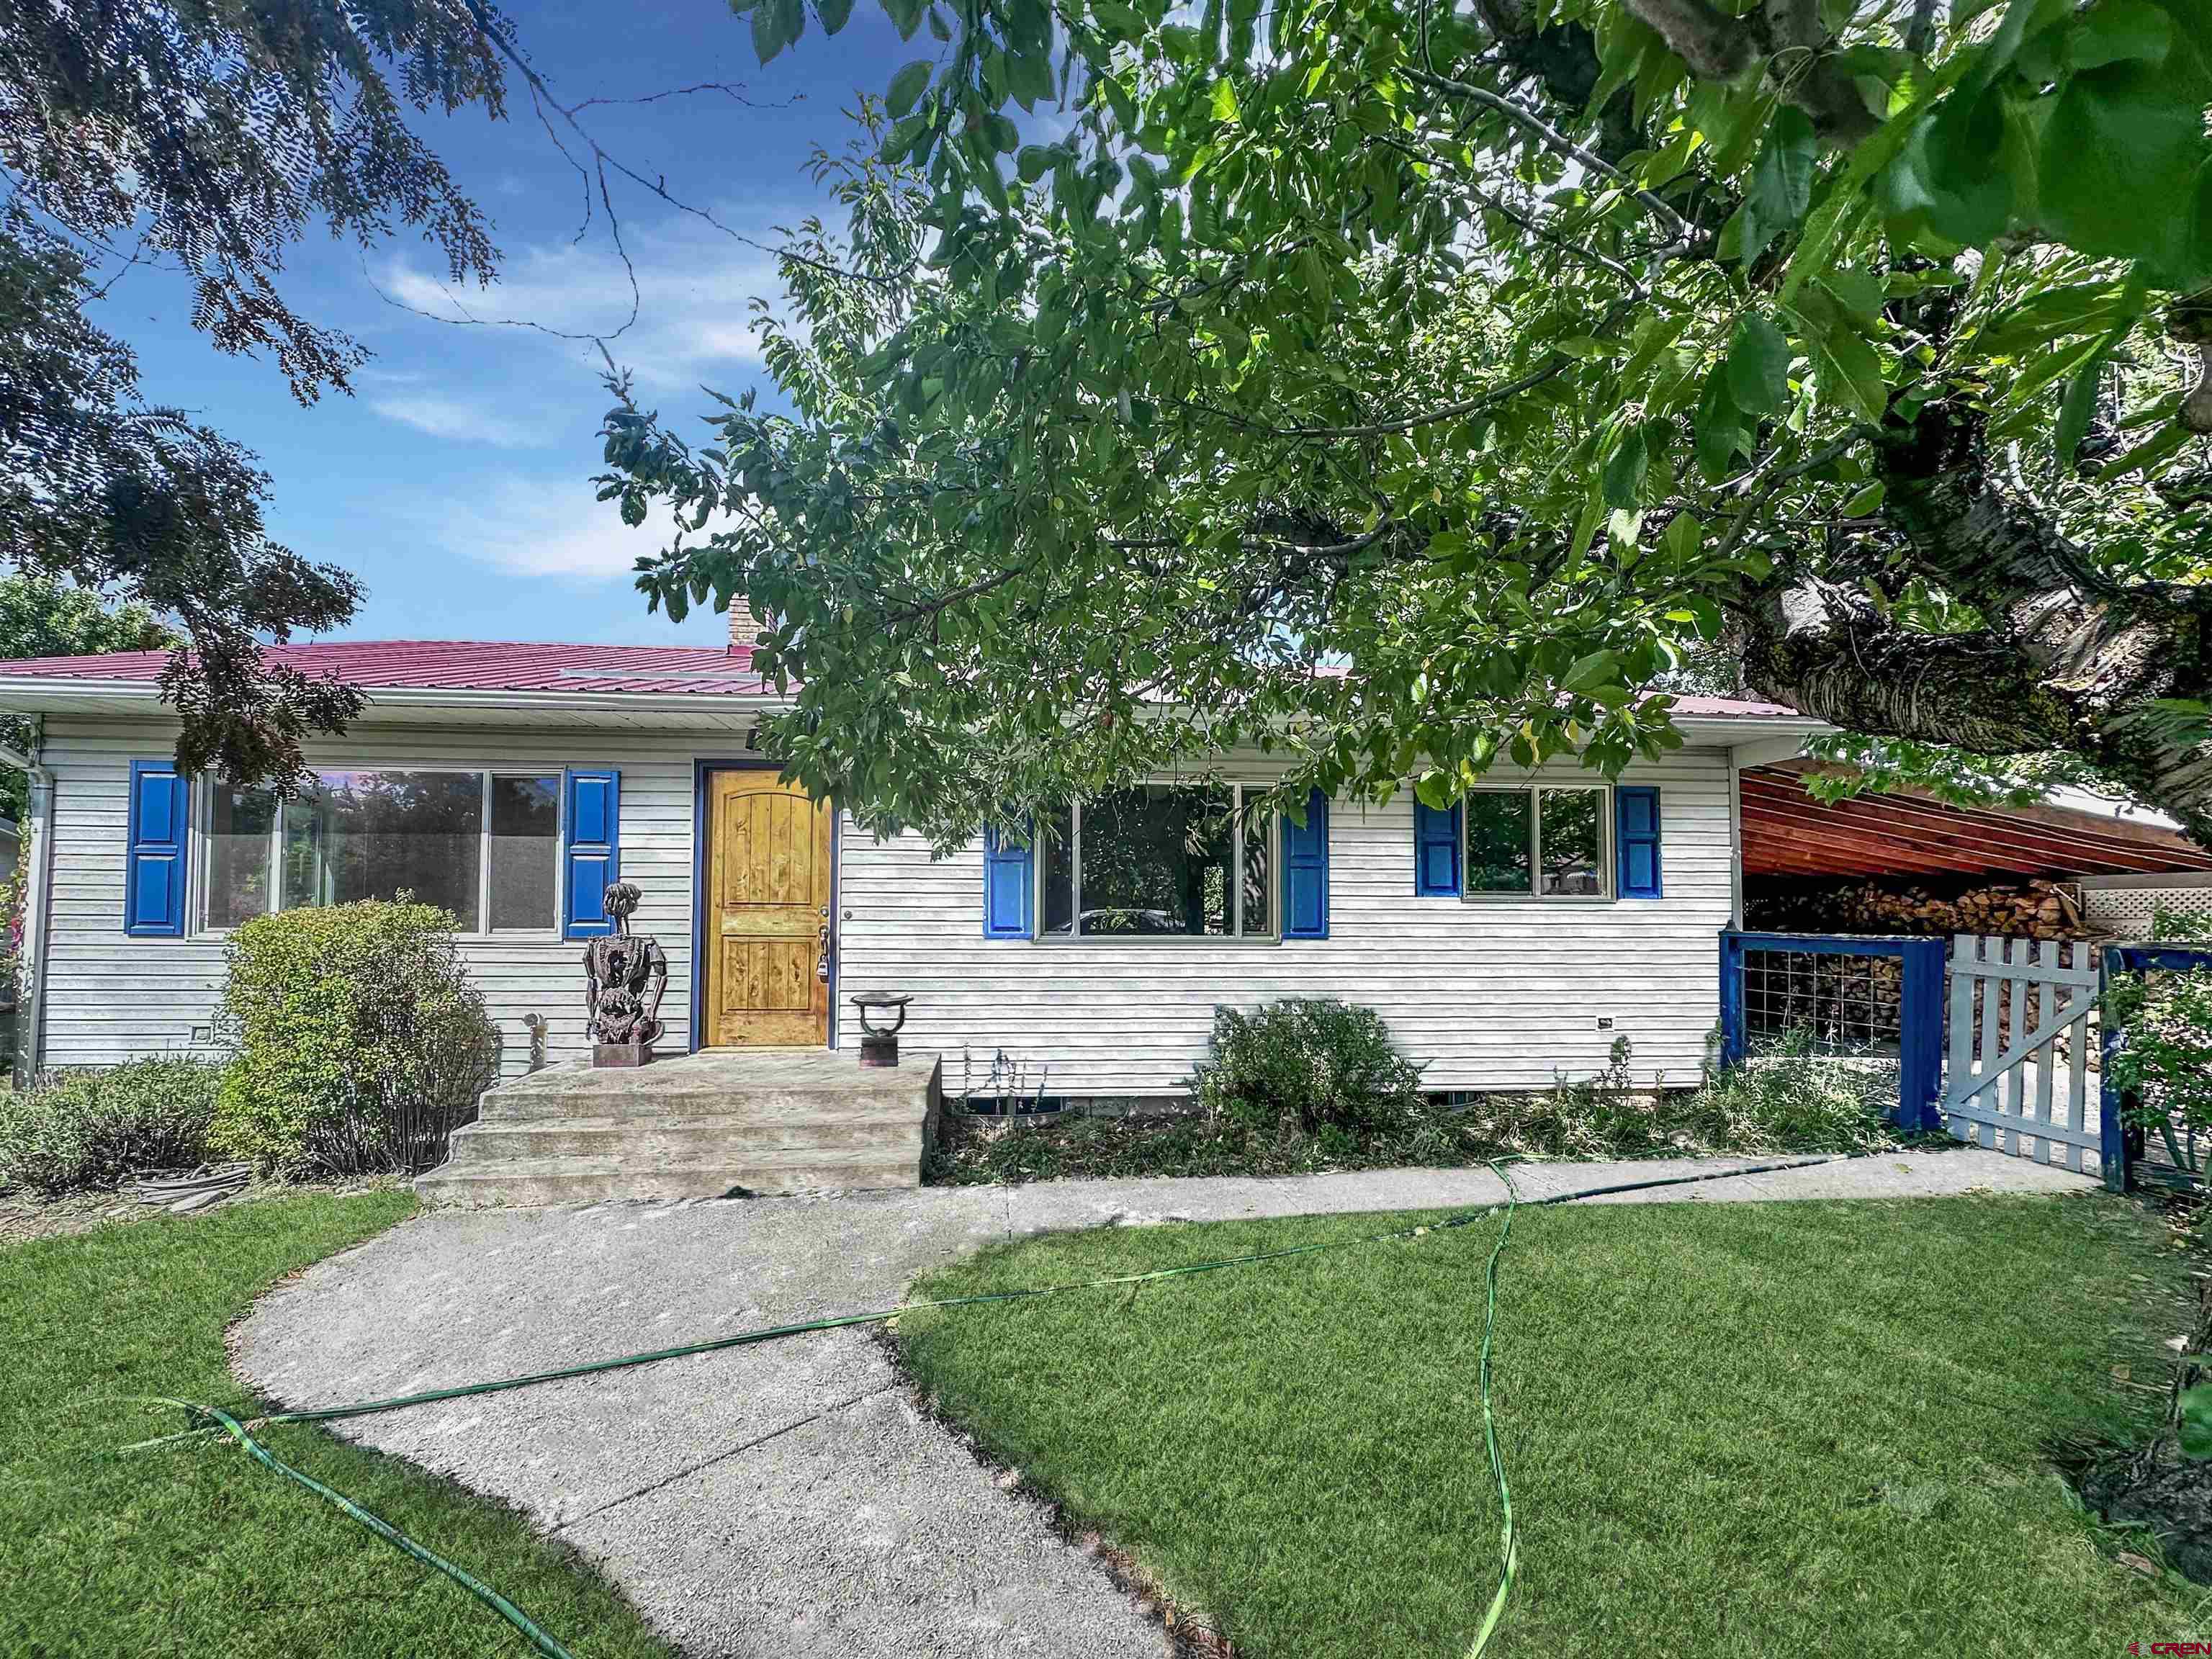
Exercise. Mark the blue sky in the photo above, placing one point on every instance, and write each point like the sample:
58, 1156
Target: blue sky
455, 481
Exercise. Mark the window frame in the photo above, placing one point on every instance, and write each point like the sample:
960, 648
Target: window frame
1607, 853
1238, 787
203, 826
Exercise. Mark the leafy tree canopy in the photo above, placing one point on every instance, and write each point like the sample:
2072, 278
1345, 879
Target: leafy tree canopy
211, 137
39, 618
1410, 387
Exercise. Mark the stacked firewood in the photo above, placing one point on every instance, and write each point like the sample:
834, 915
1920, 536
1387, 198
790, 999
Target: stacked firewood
2027, 909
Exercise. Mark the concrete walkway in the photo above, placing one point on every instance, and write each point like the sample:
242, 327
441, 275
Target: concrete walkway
790, 1499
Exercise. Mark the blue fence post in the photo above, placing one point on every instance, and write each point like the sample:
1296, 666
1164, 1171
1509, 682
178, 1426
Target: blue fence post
1920, 1034
1735, 1045
2112, 1133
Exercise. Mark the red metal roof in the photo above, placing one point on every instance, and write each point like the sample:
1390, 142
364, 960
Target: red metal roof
460, 666
510, 666
1732, 708
1787, 833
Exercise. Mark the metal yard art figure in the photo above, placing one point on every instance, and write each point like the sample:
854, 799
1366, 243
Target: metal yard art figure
624, 978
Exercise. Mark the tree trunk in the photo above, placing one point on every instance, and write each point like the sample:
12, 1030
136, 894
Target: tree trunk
2066, 661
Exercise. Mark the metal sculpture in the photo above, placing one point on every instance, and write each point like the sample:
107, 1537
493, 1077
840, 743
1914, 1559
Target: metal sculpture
624, 978
879, 1043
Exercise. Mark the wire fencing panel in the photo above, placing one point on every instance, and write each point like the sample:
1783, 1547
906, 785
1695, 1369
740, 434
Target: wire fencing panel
1848, 1005
1850, 996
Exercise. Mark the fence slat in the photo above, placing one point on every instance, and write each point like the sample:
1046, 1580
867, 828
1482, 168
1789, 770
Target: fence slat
1964, 951
2013, 1089
2046, 1093
1997, 1121
1992, 1011
2037, 973
2077, 1076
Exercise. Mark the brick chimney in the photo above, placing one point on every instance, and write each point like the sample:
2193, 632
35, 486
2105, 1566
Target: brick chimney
745, 627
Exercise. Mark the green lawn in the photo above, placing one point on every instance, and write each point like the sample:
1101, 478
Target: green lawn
197, 1550
1730, 1429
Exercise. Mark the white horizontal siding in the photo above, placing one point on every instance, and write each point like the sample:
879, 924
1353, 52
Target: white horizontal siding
1498, 994
109, 997
1494, 993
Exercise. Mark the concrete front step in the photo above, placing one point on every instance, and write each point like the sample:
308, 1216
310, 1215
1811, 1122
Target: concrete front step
592, 1181
701, 1140
813, 1085
707, 1125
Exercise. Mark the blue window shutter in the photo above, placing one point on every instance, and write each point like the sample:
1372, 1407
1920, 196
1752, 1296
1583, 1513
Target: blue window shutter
1436, 851
591, 850
154, 879
1306, 872
1637, 815
1006, 886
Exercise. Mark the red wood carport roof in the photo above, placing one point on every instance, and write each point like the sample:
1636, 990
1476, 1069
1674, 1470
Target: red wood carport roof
1787, 833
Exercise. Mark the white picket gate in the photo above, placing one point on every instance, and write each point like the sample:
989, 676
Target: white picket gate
2021, 1041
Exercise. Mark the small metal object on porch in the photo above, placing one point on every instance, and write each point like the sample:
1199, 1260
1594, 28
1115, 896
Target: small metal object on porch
624, 978
879, 1043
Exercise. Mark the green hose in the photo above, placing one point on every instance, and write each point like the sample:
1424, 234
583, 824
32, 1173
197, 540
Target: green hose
1509, 1551
241, 1431
390, 1534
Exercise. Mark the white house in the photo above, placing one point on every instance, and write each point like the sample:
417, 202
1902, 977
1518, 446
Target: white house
1505, 941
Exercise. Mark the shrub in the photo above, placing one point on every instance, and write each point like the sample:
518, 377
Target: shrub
1309, 1065
93, 1129
358, 1039
2171, 926
2163, 1060
1792, 1100
1786, 1099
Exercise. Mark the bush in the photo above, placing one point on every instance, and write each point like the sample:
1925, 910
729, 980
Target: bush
358, 1040
1787, 1099
93, 1129
1314, 1065
1275, 1074
2163, 1059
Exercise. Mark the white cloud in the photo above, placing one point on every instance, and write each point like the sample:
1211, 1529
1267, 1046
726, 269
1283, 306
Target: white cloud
694, 285
547, 527
462, 420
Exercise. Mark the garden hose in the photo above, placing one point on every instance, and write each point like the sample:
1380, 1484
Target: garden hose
224, 1423
1509, 1551
390, 1534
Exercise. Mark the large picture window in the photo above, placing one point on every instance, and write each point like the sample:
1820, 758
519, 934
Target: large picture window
1550, 842
1160, 861
484, 845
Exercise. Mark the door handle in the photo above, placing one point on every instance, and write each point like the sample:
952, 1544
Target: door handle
821, 961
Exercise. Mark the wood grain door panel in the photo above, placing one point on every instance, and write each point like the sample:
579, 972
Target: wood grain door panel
768, 900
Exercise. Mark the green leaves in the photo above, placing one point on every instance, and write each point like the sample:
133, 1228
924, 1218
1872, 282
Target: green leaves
1780, 186
907, 88
1758, 365
776, 24
2122, 146
1266, 294
2118, 31
2197, 1421
1846, 365
1624, 470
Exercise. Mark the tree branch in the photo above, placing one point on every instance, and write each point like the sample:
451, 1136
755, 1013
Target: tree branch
1553, 139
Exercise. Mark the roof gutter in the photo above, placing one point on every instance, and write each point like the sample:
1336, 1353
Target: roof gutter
31, 965
33, 693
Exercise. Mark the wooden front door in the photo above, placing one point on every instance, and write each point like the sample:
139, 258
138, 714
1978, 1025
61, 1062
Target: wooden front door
767, 910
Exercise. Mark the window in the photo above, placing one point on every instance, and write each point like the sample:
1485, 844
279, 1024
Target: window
526, 852
1543, 842
240, 824
484, 845
1160, 861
